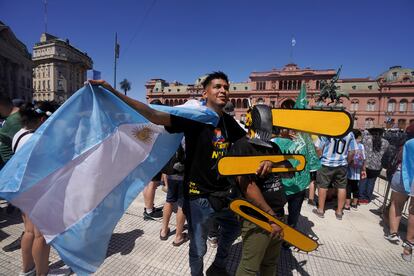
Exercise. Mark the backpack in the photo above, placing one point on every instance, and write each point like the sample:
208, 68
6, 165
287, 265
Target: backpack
176, 164
389, 157
358, 160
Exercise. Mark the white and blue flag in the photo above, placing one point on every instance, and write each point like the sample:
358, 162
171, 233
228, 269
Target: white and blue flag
408, 167
83, 167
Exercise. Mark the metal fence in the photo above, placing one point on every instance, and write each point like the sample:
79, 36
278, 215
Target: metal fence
383, 192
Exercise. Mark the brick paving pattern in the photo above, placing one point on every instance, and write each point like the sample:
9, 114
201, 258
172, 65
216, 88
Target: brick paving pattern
353, 246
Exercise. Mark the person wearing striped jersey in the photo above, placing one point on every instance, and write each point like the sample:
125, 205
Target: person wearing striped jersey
335, 153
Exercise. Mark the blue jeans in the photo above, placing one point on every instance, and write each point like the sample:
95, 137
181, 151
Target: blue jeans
200, 212
366, 188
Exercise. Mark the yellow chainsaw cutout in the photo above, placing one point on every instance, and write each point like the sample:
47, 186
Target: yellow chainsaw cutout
240, 165
259, 217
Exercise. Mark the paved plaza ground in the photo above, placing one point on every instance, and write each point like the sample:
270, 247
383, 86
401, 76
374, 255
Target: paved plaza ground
353, 246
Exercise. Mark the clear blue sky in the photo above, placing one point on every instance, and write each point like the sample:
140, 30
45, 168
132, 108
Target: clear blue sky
183, 39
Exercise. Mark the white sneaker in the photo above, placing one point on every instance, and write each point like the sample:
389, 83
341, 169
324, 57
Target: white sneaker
212, 241
392, 237
29, 273
64, 271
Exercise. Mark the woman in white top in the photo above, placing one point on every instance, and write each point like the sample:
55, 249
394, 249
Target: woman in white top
35, 251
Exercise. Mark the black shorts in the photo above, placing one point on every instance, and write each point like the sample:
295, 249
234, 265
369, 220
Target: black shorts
313, 175
157, 177
175, 191
337, 176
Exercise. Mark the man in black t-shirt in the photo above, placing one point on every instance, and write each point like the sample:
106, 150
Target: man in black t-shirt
205, 190
260, 248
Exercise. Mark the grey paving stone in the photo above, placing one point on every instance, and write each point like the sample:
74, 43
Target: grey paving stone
354, 246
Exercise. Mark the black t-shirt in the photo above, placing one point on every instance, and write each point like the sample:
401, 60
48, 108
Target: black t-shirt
204, 145
271, 185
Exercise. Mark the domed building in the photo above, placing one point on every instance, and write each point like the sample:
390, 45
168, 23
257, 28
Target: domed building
386, 101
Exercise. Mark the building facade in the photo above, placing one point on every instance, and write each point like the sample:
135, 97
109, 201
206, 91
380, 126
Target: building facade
387, 101
15, 66
59, 69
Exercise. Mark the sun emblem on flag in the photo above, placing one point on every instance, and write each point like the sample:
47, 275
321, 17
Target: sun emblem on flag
143, 133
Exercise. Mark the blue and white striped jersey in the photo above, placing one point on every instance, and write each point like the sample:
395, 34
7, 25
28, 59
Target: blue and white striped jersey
335, 150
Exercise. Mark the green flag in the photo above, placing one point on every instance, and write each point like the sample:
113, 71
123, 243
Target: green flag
301, 102
312, 158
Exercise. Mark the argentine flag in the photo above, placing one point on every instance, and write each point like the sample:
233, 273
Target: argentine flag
407, 170
82, 168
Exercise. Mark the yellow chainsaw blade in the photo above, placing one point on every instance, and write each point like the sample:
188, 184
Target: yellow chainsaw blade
332, 123
240, 165
259, 217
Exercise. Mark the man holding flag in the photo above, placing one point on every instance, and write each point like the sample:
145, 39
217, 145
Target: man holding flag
206, 194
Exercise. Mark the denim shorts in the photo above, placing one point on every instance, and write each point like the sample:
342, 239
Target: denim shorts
397, 184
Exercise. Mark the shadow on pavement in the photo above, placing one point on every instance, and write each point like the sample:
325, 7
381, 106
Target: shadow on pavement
291, 264
305, 226
123, 242
7, 219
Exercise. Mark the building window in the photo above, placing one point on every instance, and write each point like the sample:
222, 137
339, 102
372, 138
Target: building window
369, 123
403, 105
234, 88
391, 106
246, 88
354, 105
156, 89
371, 105
178, 90
245, 103
169, 90
412, 106
353, 87
260, 85
238, 103
401, 123
370, 87
317, 85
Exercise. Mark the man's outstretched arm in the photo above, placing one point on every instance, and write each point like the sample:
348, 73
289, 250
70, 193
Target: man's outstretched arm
154, 116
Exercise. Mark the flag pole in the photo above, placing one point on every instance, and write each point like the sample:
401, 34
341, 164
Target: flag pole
45, 17
116, 55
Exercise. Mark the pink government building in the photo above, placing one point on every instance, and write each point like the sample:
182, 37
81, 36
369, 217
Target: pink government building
387, 101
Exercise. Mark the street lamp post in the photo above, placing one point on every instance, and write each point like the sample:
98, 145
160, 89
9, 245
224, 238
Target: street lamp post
388, 119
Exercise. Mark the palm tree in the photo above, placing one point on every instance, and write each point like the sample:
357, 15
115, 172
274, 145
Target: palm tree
125, 85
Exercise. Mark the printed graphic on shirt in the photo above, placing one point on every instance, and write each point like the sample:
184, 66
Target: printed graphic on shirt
220, 145
193, 188
272, 183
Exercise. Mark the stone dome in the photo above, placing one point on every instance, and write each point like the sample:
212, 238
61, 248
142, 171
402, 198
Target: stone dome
397, 74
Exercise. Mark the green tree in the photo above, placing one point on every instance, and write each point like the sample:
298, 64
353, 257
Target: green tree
125, 85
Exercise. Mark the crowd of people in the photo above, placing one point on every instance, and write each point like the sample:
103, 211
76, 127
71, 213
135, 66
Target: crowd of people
347, 166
